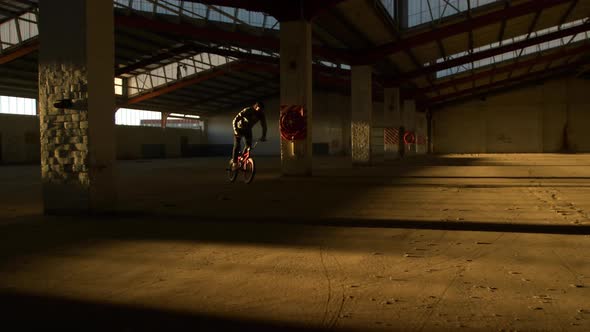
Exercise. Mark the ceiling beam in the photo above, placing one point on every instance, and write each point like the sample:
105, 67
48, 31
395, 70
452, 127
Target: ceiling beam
239, 54
19, 52
436, 101
198, 33
201, 77
154, 59
282, 10
212, 34
568, 12
218, 35
530, 6
240, 89
561, 53
488, 53
16, 15
503, 25
320, 72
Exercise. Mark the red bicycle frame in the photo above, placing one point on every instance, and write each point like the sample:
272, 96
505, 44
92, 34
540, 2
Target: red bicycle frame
243, 157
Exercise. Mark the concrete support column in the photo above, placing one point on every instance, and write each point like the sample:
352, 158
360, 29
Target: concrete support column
409, 122
421, 134
76, 70
392, 121
164, 120
362, 108
296, 89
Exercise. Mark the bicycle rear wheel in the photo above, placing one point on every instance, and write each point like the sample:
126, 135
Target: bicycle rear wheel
249, 170
231, 174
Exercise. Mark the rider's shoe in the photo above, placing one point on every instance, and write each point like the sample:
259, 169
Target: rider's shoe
234, 166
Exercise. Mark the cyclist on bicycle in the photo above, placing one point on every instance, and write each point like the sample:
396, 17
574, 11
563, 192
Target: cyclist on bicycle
242, 126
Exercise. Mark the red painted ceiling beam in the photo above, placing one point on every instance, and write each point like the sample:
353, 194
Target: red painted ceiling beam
439, 33
502, 83
217, 35
205, 76
469, 58
19, 52
561, 53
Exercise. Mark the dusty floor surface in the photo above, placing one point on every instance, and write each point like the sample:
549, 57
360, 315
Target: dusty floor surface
486, 243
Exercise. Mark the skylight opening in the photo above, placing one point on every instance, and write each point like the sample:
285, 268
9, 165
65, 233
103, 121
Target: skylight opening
118, 86
389, 6
11, 35
175, 71
196, 10
425, 11
514, 54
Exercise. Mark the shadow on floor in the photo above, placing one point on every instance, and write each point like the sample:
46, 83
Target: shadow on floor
465, 225
37, 235
36, 311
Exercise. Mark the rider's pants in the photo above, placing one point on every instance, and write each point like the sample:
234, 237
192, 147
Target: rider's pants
247, 134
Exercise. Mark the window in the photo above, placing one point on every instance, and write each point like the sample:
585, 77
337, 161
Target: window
16, 105
118, 86
132, 117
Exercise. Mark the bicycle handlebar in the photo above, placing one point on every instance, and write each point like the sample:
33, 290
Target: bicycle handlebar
253, 145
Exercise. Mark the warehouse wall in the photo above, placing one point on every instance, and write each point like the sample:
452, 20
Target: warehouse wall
330, 127
548, 117
135, 142
19, 140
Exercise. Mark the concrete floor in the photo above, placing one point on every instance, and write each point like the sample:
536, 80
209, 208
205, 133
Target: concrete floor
481, 242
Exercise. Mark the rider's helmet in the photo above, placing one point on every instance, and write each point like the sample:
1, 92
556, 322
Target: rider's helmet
260, 104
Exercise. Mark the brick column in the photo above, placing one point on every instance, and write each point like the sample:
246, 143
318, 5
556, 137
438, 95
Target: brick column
392, 121
76, 64
362, 108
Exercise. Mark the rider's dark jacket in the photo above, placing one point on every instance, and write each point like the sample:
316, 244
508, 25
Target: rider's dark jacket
247, 118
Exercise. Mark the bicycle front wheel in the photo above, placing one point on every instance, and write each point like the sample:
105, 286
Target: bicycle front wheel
231, 174
249, 170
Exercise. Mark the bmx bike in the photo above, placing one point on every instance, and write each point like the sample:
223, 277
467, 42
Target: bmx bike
245, 165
